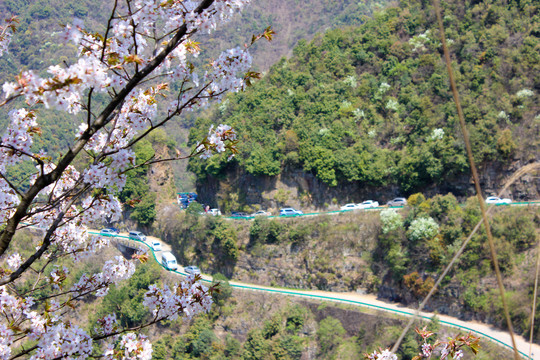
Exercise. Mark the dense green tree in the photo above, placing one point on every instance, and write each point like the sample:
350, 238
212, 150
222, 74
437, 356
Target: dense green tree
371, 104
330, 334
225, 290
127, 300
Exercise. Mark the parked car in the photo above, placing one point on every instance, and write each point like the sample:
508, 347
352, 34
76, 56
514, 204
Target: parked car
397, 202
137, 235
498, 201
289, 212
349, 207
239, 214
193, 270
261, 213
155, 245
368, 204
108, 232
115, 230
168, 261
214, 212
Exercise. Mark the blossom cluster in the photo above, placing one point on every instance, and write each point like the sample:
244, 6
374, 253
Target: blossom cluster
423, 228
54, 337
187, 299
63, 340
6, 32
420, 41
106, 325
524, 93
112, 273
381, 355
131, 347
391, 220
15, 143
133, 62
451, 349
217, 140
437, 134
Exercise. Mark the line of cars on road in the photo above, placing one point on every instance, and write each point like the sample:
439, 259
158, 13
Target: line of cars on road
133, 235
400, 201
368, 204
289, 211
282, 212
168, 260
363, 205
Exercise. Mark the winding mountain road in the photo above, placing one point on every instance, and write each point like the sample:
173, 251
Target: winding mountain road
486, 331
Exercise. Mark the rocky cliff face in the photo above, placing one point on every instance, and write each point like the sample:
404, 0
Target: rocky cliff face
329, 253
303, 190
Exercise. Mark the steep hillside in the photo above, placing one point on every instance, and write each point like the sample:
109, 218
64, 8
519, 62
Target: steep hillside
369, 107
242, 325
292, 21
397, 256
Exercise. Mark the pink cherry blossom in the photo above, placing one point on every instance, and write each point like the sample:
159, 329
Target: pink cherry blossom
63, 200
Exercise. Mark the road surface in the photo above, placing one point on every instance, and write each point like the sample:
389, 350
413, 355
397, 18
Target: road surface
486, 331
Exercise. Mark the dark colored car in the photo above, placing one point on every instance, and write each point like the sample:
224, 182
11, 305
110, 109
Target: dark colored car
238, 214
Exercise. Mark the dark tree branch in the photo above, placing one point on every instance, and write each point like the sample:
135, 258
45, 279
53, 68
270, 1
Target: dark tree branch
103, 119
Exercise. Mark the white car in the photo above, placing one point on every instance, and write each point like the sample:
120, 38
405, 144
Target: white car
289, 212
368, 204
349, 207
498, 201
156, 245
214, 212
137, 235
108, 232
261, 213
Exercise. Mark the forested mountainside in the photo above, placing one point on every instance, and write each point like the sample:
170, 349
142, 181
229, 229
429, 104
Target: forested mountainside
292, 21
35, 47
371, 106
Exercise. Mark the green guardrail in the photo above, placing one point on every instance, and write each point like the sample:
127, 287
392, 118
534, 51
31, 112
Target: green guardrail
368, 209
323, 297
309, 214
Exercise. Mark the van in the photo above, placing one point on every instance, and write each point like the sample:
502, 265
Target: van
168, 261
137, 235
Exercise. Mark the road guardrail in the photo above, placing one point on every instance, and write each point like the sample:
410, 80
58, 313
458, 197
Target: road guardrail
302, 293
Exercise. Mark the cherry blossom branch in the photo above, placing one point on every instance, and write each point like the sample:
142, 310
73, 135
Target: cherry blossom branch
10, 184
6, 235
45, 245
37, 255
107, 29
